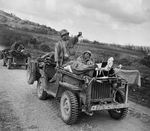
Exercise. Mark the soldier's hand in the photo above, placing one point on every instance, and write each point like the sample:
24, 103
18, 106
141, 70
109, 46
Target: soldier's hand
79, 34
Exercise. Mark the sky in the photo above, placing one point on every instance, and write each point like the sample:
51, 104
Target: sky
111, 21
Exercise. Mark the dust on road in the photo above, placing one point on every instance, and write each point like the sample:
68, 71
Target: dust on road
27, 112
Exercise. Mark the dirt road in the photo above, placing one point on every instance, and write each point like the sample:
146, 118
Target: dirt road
20, 109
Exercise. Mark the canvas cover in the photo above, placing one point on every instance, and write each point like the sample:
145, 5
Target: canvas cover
131, 76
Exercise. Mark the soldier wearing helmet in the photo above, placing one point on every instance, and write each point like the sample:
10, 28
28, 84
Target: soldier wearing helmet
65, 47
86, 58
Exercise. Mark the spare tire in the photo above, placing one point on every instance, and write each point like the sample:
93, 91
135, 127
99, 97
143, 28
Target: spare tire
32, 72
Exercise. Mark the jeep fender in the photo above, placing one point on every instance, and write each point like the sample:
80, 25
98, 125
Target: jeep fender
66, 86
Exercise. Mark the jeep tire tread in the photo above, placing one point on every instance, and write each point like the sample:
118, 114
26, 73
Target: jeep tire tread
119, 113
69, 107
42, 94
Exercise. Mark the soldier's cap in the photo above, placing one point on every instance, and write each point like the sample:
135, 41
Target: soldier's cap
64, 32
87, 51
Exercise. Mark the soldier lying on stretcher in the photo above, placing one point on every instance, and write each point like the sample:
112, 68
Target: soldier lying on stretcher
85, 63
82, 63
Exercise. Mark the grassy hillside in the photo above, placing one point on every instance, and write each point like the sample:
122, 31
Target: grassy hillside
38, 37
13, 28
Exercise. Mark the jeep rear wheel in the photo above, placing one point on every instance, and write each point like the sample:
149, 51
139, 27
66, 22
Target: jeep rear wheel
119, 113
9, 64
42, 94
69, 107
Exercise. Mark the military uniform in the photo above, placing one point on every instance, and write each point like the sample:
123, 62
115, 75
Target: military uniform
60, 52
65, 49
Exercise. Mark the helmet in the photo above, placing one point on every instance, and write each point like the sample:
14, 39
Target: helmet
64, 32
87, 52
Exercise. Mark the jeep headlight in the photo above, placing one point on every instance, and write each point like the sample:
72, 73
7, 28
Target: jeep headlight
115, 84
122, 85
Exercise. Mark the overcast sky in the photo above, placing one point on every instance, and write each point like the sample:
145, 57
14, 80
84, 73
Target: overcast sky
115, 21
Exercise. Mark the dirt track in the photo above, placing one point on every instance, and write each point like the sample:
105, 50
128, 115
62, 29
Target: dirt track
20, 109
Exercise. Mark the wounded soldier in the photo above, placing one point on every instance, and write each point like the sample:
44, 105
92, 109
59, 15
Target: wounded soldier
85, 63
82, 64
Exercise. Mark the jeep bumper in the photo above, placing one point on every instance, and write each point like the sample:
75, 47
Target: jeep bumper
109, 106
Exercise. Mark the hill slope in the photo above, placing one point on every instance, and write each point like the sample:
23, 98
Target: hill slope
14, 28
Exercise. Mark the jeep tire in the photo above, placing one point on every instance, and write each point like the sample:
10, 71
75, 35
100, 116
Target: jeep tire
69, 107
42, 94
119, 113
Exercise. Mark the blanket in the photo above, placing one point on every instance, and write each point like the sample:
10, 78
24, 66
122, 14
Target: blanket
131, 76
80, 68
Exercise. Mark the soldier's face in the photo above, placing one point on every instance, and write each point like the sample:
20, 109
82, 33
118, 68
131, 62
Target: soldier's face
86, 55
65, 37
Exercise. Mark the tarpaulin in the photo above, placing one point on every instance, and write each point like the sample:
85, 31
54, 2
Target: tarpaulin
131, 76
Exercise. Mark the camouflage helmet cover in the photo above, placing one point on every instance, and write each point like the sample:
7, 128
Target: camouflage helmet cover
87, 51
64, 32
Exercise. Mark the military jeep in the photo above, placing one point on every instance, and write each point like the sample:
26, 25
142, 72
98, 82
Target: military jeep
88, 92
18, 60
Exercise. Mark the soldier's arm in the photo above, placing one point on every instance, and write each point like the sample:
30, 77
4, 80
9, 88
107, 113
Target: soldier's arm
74, 40
44, 56
56, 53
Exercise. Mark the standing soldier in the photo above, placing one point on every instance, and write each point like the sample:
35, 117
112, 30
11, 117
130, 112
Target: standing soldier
64, 49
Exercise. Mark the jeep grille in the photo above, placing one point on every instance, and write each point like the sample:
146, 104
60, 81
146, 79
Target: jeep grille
100, 90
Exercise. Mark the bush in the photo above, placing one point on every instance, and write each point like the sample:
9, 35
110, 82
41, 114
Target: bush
3, 19
125, 62
8, 37
146, 61
45, 48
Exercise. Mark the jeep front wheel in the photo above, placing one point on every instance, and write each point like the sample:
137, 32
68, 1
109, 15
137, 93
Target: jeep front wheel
119, 113
42, 94
69, 107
